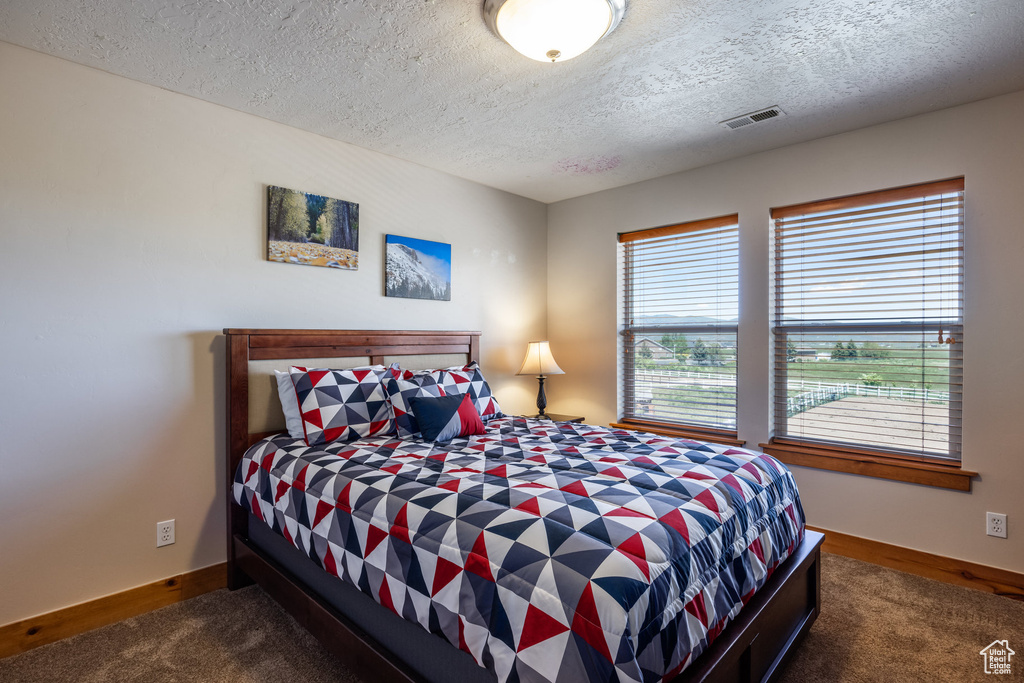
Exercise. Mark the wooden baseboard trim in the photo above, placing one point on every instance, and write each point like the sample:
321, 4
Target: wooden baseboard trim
21, 636
946, 569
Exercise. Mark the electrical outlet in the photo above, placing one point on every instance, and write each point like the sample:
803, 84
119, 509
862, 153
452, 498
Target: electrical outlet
995, 524
164, 533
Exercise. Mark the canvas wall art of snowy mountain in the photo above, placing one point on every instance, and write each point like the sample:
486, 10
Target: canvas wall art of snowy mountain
418, 269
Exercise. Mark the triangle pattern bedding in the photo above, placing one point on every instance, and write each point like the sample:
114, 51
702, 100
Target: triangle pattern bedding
548, 551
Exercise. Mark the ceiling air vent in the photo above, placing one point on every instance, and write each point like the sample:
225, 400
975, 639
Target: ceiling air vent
753, 117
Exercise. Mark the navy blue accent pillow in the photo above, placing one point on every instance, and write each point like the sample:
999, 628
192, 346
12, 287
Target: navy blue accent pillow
443, 418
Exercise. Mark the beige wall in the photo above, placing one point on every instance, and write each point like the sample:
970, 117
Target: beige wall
132, 227
983, 142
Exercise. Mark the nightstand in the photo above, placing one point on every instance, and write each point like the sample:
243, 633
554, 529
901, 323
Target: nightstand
555, 417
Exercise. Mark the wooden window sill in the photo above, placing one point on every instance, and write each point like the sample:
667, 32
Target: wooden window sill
851, 461
713, 436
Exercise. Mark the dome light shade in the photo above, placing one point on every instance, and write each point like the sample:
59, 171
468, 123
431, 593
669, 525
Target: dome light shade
552, 30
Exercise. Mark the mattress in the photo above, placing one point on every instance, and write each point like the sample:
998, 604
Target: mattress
547, 551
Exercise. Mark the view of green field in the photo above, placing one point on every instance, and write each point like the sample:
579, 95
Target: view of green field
921, 368
706, 393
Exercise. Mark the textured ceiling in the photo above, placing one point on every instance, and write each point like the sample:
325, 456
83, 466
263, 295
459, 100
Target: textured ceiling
425, 80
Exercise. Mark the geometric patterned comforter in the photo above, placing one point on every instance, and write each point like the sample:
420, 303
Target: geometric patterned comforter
548, 551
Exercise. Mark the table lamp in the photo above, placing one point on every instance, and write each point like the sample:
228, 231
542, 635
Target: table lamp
539, 362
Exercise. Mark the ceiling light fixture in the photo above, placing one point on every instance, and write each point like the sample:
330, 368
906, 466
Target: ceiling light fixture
552, 30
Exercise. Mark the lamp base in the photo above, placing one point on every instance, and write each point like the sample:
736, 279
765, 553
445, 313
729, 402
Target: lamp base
542, 400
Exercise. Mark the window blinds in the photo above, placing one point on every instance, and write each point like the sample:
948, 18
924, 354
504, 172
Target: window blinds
868, 321
678, 332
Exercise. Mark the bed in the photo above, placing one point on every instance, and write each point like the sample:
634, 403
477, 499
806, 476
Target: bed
535, 551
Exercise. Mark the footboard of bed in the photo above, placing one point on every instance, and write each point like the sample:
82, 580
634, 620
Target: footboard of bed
753, 648
757, 644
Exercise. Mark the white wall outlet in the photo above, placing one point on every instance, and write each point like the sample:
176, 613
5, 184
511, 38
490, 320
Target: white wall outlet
164, 533
995, 524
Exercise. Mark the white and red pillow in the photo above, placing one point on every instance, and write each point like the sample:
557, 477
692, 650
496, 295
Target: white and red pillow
290, 403
341, 405
468, 379
445, 417
401, 391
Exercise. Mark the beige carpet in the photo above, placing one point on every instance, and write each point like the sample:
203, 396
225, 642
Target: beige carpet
876, 625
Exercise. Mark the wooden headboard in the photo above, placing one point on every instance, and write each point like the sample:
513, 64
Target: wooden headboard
293, 347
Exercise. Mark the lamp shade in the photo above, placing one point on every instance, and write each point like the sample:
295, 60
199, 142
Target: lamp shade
539, 361
552, 30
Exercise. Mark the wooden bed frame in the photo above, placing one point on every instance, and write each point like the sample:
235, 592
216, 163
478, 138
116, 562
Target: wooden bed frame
754, 647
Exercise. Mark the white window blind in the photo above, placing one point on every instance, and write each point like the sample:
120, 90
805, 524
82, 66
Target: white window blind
678, 332
868, 322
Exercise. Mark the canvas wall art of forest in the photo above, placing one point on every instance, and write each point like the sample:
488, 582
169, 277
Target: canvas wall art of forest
311, 230
417, 269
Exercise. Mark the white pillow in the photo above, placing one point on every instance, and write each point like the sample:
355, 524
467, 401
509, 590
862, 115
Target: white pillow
290, 404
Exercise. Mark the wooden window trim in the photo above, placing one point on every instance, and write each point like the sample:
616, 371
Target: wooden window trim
868, 463
723, 436
866, 199
680, 228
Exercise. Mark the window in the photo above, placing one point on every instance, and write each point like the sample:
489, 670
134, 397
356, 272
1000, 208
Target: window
868, 323
678, 332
